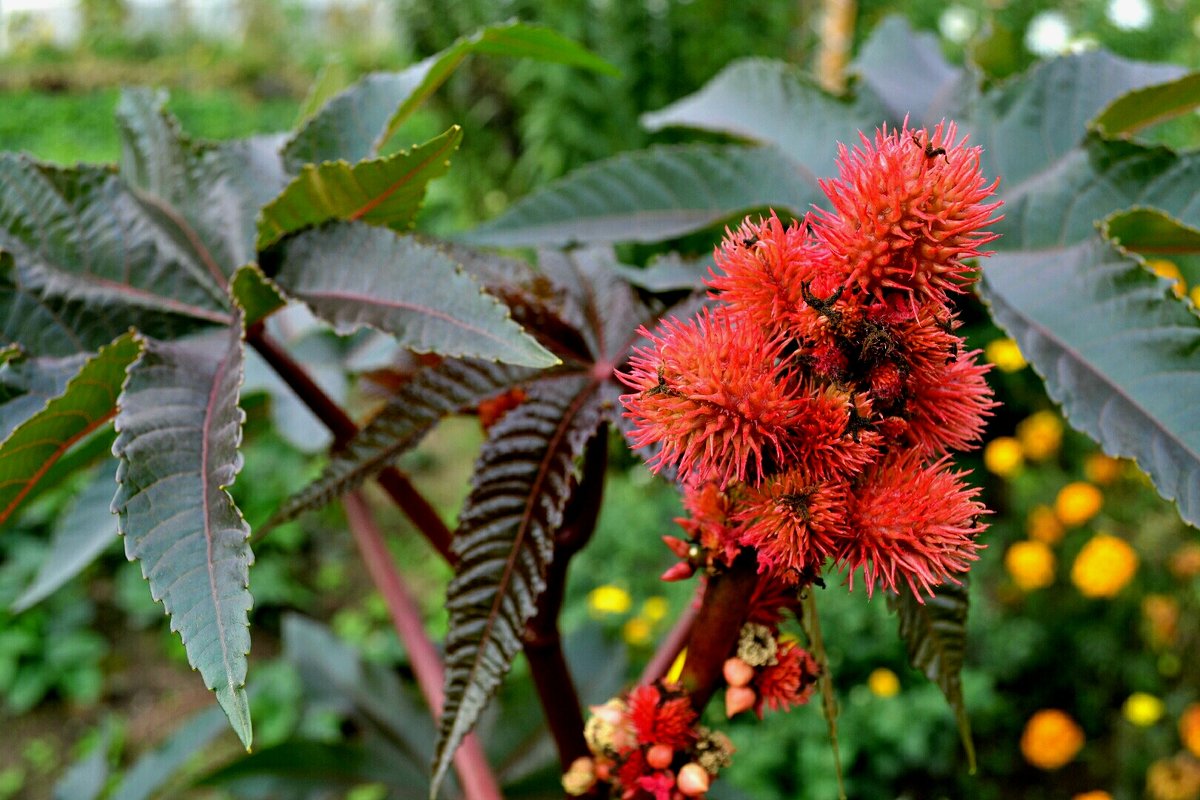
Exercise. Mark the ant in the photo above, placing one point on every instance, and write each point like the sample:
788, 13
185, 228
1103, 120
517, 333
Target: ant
930, 150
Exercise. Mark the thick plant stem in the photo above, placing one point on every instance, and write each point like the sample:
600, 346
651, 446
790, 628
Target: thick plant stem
543, 642
470, 764
718, 623
837, 39
670, 648
422, 515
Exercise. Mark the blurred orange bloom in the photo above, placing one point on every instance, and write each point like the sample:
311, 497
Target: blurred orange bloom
1051, 739
1189, 728
1077, 503
1104, 566
1043, 525
1040, 435
1031, 564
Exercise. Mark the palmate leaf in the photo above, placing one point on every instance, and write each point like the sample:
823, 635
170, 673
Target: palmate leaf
400, 286
255, 293
652, 195
934, 633
359, 121
1140, 108
178, 432
386, 191
907, 72
420, 403
207, 193
87, 402
1116, 349
505, 541
27, 384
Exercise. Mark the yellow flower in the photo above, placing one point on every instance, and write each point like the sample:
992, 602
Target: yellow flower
1095, 794
1040, 435
609, 599
1051, 739
1031, 564
1043, 525
637, 632
1169, 270
655, 608
1104, 566
1195, 295
1143, 709
883, 682
1005, 354
1077, 503
1189, 728
1102, 469
1002, 456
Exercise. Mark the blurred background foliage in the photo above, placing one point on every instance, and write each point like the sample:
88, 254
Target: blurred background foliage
1084, 665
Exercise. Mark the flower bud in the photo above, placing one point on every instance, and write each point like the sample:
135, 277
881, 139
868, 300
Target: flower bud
681, 571
580, 777
693, 780
737, 672
738, 699
659, 756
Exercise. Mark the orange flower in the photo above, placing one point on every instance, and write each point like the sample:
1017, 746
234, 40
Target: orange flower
1077, 503
1030, 564
1104, 566
1051, 739
1189, 729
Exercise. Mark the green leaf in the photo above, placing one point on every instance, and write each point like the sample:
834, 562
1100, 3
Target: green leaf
358, 122
386, 191
332, 78
87, 402
505, 541
27, 384
256, 293
208, 193
1150, 105
772, 103
80, 534
178, 431
1116, 349
431, 394
303, 763
157, 767
407, 289
1145, 231
652, 195
84, 780
934, 632
906, 71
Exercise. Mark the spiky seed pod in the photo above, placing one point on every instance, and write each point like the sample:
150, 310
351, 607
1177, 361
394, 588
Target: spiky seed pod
793, 523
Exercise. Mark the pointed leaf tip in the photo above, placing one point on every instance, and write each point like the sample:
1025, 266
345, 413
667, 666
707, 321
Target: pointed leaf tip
236, 705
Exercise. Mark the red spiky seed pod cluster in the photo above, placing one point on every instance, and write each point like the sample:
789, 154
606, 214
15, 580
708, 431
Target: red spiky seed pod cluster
809, 412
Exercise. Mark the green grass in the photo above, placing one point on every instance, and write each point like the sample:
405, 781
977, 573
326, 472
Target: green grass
73, 127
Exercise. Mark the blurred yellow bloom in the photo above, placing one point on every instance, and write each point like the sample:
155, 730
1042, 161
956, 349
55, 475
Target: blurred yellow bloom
1161, 612
609, 599
1005, 354
1189, 728
1142, 709
1169, 270
1102, 469
1043, 525
676, 669
1040, 435
637, 632
1002, 456
655, 608
883, 682
1031, 564
1051, 739
1077, 503
1104, 566
1195, 295
1096, 794
1175, 778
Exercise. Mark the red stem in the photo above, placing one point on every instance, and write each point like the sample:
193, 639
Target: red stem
670, 648
423, 516
718, 623
469, 761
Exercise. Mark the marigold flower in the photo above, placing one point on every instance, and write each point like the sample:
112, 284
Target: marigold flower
655, 608
1051, 739
609, 599
1102, 469
716, 396
1077, 503
793, 523
912, 523
909, 210
1189, 729
1095, 794
1042, 524
1142, 709
1104, 566
637, 632
1030, 564
1040, 435
788, 682
1002, 456
1005, 354
883, 682
1169, 270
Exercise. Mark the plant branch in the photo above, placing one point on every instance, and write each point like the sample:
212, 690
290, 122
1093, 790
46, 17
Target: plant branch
469, 761
423, 516
542, 640
670, 648
715, 631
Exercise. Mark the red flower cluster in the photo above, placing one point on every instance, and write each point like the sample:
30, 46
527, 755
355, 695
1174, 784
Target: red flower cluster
649, 746
809, 412
767, 670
